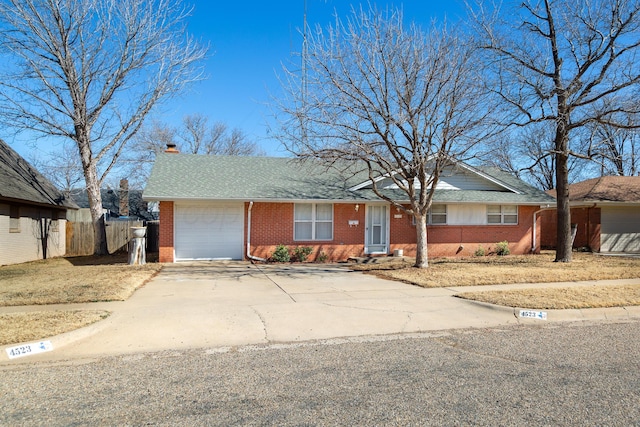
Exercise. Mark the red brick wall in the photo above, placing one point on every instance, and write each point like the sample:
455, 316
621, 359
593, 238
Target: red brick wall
587, 235
464, 240
272, 224
166, 232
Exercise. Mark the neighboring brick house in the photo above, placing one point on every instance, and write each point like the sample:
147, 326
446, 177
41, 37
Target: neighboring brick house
32, 212
606, 213
217, 207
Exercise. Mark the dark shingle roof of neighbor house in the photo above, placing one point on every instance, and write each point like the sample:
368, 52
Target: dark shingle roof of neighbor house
200, 177
625, 189
19, 181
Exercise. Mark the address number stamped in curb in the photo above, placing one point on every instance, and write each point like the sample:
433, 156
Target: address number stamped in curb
529, 314
29, 349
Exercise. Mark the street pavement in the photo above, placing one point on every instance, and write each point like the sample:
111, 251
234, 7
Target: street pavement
223, 305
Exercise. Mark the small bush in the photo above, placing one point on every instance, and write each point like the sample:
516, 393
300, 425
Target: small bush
301, 253
281, 254
322, 257
480, 251
502, 248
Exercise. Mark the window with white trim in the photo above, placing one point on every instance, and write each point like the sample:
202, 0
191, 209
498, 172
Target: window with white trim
436, 215
313, 221
502, 214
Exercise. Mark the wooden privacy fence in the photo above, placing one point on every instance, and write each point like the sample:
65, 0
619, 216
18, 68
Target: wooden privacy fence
80, 236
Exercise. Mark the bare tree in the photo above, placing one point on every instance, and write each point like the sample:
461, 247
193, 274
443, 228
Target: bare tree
616, 150
529, 156
198, 137
90, 71
61, 168
400, 102
571, 63
194, 136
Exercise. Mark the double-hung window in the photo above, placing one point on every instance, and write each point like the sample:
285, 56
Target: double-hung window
437, 214
313, 221
502, 214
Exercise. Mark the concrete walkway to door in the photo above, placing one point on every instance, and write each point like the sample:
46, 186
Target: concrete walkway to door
226, 304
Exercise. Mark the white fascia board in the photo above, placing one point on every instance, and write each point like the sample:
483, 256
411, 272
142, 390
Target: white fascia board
488, 177
367, 182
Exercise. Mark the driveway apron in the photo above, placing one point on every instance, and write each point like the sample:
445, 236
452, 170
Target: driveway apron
226, 304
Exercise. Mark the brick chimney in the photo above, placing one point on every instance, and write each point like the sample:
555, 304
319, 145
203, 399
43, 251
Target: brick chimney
124, 197
171, 148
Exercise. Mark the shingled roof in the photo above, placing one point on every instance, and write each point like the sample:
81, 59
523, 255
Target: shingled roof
621, 189
20, 182
199, 177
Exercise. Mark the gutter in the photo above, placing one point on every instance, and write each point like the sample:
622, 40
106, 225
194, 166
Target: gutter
251, 257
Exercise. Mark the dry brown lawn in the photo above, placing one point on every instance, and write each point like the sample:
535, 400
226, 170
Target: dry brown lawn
64, 281
22, 327
72, 280
561, 298
494, 270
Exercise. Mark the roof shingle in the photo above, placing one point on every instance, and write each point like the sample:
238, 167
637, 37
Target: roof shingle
188, 176
21, 182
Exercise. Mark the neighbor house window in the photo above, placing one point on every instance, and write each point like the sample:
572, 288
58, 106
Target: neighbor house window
437, 214
502, 214
313, 221
14, 219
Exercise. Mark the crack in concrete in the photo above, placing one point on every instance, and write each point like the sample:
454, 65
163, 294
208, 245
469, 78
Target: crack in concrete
264, 323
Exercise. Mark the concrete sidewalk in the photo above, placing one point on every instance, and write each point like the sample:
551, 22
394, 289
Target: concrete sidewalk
214, 305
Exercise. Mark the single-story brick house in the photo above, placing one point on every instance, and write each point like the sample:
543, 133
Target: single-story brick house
228, 207
606, 211
32, 212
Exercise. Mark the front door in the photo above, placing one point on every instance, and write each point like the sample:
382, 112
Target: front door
376, 237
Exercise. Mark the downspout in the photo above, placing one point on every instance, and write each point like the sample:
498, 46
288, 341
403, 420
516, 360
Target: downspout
535, 234
251, 257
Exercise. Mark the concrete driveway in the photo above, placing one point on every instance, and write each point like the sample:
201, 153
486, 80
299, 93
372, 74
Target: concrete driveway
221, 305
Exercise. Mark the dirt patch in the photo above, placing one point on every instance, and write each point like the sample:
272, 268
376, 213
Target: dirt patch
72, 280
22, 327
561, 298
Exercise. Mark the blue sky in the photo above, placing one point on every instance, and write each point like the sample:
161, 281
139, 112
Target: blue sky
250, 40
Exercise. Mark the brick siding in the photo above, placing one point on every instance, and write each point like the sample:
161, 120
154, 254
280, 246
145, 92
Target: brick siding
587, 234
272, 225
165, 238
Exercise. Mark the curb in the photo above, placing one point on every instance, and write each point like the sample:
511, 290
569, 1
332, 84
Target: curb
59, 340
570, 314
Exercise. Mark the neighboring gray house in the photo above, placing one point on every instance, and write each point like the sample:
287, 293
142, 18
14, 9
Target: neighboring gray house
32, 212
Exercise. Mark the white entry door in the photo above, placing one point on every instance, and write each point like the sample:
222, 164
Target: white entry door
377, 231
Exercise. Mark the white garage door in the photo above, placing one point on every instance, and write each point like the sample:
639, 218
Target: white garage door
620, 229
209, 230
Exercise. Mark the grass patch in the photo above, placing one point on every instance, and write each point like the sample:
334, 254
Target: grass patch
72, 280
561, 298
508, 269
21, 327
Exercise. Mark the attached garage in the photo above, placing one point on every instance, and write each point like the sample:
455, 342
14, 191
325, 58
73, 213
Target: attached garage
620, 229
208, 231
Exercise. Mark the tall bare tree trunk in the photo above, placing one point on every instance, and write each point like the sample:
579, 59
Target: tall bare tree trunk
421, 242
564, 241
